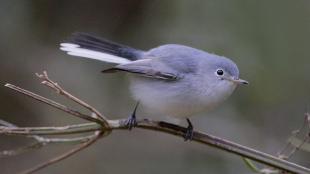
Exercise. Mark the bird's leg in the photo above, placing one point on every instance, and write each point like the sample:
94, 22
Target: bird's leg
189, 131
132, 120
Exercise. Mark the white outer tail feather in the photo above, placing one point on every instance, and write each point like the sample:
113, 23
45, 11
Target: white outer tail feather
76, 50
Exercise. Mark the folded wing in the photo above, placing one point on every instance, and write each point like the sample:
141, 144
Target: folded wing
145, 68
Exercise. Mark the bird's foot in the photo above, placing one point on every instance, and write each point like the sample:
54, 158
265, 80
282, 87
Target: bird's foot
131, 121
189, 131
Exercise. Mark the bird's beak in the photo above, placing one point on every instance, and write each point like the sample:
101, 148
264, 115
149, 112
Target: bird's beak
239, 81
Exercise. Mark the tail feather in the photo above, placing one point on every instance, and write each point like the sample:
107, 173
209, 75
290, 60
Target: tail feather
95, 43
88, 46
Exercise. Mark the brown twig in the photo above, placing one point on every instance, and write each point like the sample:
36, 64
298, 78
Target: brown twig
61, 130
37, 144
63, 156
53, 104
42, 141
290, 148
212, 141
225, 145
55, 86
20, 150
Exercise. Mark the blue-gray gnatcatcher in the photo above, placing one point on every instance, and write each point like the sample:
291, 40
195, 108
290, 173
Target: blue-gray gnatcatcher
173, 80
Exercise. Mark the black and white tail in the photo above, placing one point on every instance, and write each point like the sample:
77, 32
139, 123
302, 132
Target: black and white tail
93, 47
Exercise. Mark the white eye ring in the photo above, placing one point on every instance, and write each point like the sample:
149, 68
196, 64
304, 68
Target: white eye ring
219, 72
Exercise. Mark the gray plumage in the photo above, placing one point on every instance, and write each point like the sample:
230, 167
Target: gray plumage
172, 79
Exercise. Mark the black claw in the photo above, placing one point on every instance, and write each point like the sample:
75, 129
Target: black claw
189, 131
131, 121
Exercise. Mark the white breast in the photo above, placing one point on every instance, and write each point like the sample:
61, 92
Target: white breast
178, 99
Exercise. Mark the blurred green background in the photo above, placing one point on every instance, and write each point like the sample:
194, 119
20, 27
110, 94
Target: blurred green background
269, 40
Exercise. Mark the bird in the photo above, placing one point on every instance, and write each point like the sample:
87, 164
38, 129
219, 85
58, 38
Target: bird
173, 80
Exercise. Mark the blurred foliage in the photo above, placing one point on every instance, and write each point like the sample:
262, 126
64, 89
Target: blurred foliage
269, 40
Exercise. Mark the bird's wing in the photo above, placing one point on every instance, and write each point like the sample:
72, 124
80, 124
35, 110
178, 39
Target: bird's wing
147, 68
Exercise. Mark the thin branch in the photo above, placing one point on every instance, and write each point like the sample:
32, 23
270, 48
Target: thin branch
219, 143
75, 140
53, 103
37, 144
55, 86
6, 124
210, 140
63, 156
43, 142
20, 150
291, 146
62, 130
294, 143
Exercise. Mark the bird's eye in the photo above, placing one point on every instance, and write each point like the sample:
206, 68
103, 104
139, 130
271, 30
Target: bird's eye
219, 72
